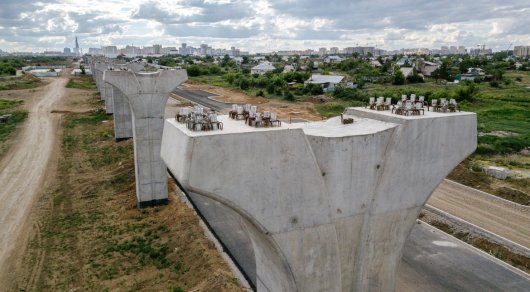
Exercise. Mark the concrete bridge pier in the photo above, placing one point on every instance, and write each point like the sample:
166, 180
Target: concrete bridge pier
105, 89
123, 125
327, 206
147, 94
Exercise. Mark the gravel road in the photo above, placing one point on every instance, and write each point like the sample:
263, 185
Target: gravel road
24, 168
507, 219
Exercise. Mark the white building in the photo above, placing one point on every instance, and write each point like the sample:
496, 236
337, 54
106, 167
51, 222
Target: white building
262, 68
328, 82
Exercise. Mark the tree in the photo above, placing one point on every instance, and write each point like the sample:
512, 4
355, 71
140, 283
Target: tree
150, 60
83, 72
398, 78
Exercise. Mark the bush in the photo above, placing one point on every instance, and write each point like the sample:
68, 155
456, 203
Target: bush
194, 70
244, 83
398, 78
260, 93
348, 94
494, 83
230, 78
518, 79
289, 96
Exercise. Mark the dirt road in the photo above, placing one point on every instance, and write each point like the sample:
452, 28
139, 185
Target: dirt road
24, 168
506, 219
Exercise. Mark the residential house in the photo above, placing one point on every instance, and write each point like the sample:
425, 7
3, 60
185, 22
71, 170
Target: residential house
328, 82
288, 68
333, 59
472, 74
407, 71
375, 63
262, 68
426, 68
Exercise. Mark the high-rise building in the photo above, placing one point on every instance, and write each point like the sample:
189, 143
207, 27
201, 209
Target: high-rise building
157, 49
77, 51
521, 51
204, 49
67, 51
183, 50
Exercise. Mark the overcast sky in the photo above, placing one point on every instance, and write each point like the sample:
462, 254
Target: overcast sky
263, 25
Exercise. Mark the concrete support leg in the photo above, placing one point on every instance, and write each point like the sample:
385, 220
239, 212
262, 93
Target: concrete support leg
108, 92
123, 127
147, 93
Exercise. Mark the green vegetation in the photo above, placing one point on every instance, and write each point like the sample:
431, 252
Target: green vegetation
81, 83
92, 236
8, 129
9, 65
20, 83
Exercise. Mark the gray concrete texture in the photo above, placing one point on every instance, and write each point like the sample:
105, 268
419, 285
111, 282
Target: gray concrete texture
123, 125
105, 89
147, 94
327, 206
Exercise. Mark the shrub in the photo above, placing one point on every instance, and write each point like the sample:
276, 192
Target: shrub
289, 96
244, 83
518, 79
494, 83
260, 93
398, 78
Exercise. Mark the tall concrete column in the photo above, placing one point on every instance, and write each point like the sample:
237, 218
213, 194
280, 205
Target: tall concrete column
123, 128
147, 93
106, 89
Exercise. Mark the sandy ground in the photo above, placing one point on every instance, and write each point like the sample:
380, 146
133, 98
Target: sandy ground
506, 219
24, 169
285, 110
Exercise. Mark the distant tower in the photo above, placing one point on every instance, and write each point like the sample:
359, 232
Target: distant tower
76, 49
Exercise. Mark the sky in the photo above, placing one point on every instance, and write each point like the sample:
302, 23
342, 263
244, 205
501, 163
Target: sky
263, 25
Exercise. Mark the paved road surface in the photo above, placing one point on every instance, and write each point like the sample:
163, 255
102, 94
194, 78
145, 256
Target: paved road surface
506, 219
201, 97
23, 168
432, 260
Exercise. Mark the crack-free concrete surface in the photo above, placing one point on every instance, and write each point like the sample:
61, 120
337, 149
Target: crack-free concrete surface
326, 206
431, 261
147, 94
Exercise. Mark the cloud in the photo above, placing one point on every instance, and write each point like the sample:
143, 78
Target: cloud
258, 25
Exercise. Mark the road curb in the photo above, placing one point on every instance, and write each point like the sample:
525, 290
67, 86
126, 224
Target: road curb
481, 252
510, 245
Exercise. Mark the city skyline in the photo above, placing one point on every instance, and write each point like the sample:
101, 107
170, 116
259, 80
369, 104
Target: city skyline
264, 25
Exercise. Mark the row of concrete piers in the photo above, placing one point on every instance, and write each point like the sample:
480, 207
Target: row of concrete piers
137, 99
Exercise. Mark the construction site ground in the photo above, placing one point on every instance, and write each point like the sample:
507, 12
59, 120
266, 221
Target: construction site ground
69, 216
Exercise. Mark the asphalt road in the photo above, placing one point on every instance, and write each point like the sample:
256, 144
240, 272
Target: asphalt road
432, 260
201, 97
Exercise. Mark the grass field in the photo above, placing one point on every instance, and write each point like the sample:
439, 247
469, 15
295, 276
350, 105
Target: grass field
9, 128
81, 83
19, 83
95, 239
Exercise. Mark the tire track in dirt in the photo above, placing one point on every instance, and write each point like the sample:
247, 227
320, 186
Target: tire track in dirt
24, 167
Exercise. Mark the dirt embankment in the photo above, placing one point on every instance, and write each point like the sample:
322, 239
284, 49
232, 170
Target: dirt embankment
285, 110
88, 234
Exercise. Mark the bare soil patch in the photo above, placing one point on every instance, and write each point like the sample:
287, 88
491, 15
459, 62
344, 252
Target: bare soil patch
284, 110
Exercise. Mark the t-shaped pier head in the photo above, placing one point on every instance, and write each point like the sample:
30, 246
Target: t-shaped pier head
147, 93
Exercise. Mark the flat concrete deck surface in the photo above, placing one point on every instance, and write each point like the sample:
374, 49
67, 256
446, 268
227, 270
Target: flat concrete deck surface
201, 97
432, 260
